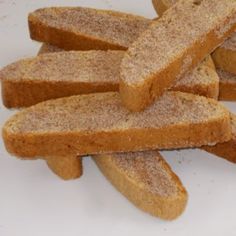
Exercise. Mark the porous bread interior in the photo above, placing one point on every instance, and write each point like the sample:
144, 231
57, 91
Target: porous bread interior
114, 27
170, 35
146, 168
83, 66
104, 112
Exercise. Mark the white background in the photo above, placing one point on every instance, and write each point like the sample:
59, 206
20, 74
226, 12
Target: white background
33, 201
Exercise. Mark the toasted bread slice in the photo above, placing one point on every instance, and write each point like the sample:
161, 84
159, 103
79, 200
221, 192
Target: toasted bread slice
224, 56
66, 167
58, 75
63, 74
98, 123
226, 150
146, 180
227, 86
172, 46
77, 28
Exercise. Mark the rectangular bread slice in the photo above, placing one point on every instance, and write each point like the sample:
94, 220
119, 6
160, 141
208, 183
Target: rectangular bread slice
172, 46
78, 28
146, 180
227, 86
98, 123
224, 56
226, 150
63, 74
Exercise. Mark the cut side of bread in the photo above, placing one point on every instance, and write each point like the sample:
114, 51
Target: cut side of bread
224, 56
58, 75
146, 180
226, 150
65, 167
63, 74
98, 123
78, 28
227, 86
172, 46
203, 80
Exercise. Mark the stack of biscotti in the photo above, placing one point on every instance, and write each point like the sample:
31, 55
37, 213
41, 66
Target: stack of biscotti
85, 114
224, 57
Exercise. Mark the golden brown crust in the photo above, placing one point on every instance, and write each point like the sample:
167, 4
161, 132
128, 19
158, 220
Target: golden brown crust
195, 131
227, 91
225, 59
137, 192
226, 150
160, 6
66, 167
29, 93
227, 86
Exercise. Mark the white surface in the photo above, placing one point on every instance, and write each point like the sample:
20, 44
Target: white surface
35, 202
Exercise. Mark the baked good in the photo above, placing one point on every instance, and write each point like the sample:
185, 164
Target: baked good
224, 56
226, 150
98, 123
58, 75
227, 86
78, 28
146, 180
66, 167
172, 46
63, 74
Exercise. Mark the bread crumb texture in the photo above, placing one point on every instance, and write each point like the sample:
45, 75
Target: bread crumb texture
104, 112
113, 27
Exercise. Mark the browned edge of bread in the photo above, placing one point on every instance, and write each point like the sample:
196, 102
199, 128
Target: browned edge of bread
225, 58
227, 86
226, 150
160, 6
65, 167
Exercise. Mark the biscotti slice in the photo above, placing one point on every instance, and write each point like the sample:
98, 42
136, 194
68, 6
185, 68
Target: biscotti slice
172, 46
226, 150
63, 74
78, 28
224, 56
65, 167
203, 80
227, 86
98, 123
58, 75
146, 180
